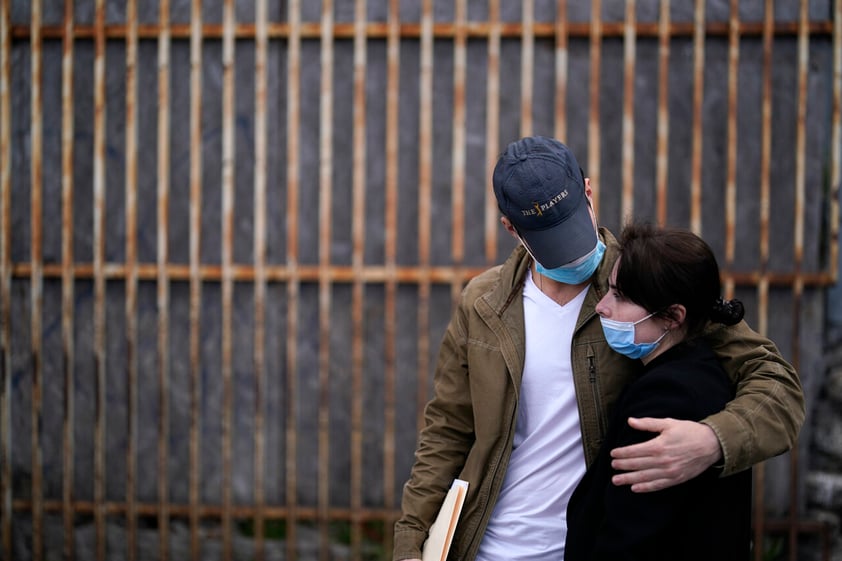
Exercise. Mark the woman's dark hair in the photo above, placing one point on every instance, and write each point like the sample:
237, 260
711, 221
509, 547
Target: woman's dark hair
659, 267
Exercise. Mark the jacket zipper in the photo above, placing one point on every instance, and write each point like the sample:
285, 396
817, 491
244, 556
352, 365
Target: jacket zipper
597, 402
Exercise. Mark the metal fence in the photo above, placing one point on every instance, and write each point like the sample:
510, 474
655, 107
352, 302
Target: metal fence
232, 233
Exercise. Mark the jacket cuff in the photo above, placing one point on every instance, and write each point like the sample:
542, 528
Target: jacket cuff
734, 440
408, 544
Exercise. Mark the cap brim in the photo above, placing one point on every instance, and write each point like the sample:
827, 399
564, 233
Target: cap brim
563, 243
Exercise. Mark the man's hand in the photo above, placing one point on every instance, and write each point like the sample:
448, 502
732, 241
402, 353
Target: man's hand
681, 451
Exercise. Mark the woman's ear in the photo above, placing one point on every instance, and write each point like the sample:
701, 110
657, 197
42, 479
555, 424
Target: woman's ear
677, 314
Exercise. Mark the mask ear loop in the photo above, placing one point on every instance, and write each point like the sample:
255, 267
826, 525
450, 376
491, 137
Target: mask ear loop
524, 244
641, 320
666, 327
664, 334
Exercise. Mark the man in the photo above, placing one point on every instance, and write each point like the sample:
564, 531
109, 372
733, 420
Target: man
525, 380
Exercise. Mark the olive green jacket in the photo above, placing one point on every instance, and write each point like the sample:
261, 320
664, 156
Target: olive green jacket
470, 422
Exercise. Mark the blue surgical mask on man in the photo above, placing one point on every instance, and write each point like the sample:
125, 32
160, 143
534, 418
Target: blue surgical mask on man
620, 336
578, 271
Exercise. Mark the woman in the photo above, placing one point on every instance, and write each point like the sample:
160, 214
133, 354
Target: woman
663, 292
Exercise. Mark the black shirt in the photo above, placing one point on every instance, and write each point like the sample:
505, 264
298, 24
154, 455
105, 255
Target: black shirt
705, 519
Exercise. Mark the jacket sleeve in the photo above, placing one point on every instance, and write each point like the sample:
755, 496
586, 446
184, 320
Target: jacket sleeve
766, 416
443, 443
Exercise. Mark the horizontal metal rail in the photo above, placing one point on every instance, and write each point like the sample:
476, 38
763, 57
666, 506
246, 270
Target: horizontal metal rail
349, 274
439, 30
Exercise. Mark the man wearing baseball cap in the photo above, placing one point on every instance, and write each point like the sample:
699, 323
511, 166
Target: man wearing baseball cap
525, 381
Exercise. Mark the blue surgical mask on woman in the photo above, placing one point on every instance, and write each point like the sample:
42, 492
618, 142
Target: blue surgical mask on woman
620, 336
578, 271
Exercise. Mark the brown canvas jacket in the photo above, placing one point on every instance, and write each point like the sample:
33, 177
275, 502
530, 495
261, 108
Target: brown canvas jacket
470, 422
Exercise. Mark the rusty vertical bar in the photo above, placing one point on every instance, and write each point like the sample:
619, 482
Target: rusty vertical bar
5, 281
798, 249
731, 150
800, 160
131, 278
765, 164
163, 356
36, 279
294, 283
195, 277
594, 136
759, 472
492, 129
457, 202
67, 278
836, 141
99, 280
698, 95
358, 287
390, 259
561, 58
260, 160
228, 177
527, 66
424, 195
629, 63
663, 126
325, 282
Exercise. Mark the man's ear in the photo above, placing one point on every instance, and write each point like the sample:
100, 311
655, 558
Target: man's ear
507, 224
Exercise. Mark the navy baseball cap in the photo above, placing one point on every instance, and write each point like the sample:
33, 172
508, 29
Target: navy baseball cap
540, 188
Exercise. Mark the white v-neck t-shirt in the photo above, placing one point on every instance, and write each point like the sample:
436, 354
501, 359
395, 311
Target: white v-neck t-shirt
529, 519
